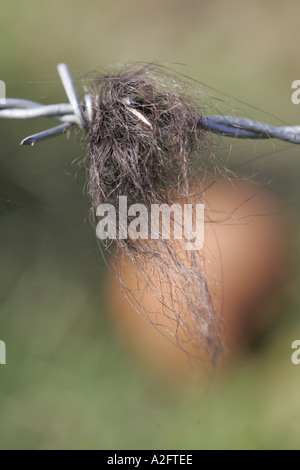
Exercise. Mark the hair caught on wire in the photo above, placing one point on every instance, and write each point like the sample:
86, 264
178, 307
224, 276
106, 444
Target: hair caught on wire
147, 139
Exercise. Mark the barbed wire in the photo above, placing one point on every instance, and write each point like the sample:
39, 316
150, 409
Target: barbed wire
80, 113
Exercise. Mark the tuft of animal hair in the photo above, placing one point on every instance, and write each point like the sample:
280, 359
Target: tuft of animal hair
145, 142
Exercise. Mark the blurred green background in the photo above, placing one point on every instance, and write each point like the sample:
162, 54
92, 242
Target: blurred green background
68, 382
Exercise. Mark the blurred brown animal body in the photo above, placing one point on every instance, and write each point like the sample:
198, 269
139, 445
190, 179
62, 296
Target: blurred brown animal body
243, 260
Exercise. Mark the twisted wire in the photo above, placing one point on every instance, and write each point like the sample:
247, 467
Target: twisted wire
79, 113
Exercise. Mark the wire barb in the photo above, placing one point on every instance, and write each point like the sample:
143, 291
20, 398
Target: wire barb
71, 93
80, 113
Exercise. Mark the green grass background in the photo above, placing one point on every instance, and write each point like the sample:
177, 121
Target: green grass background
68, 382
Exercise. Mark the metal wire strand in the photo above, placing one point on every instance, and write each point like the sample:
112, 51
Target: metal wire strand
79, 113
